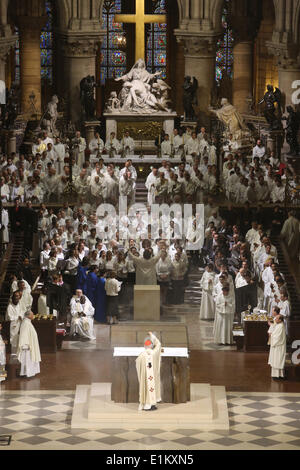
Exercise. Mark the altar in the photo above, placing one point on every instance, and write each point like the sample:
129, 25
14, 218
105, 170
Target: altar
175, 375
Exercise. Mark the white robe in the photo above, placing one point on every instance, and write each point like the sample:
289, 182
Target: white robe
29, 350
2, 359
83, 326
207, 309
145, 270
13, 313
128, 146
291, 235
151, 185
278, 350
148, 371
225, 309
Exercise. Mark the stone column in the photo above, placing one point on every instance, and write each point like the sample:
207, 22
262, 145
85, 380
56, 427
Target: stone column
242, 75
30, 63
79, 61
6, 44
200, 62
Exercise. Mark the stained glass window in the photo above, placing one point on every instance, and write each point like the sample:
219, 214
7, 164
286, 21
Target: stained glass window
224, 58
46, 45
157, 42
113, 59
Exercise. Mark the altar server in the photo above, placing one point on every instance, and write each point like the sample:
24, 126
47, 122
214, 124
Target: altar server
207, 309
29, 351
277, 354
225, 310
128, 145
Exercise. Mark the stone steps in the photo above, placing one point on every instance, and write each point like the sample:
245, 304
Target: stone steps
93, 409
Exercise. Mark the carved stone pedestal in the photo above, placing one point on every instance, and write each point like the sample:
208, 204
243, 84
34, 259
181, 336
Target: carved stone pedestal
273, 141
90, 128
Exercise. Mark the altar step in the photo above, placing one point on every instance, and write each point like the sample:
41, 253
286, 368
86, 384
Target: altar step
141, 195
93, 409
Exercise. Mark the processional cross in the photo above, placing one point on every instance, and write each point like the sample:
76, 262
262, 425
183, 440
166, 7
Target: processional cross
140, 19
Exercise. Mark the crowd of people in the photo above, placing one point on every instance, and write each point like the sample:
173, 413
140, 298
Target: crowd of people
242, 273
88, 267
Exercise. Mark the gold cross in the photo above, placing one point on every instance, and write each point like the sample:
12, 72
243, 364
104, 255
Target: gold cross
140, 19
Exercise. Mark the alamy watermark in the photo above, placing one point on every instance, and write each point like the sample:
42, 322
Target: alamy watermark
296, 94
168, 222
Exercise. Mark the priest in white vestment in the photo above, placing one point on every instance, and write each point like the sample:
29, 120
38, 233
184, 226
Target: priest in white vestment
15, 315
225, 310
96, 145
60, 153
82, 312
148, 371
277, 354
128, 145
2, 357
290, 233
29, 350
145, 268
79, 144
207, 309
150, 184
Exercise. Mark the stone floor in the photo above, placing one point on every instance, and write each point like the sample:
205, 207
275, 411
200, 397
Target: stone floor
41, 420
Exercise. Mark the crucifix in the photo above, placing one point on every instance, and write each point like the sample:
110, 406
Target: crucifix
140, 19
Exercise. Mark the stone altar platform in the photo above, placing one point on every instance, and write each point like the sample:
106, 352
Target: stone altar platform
94, 409
170, 334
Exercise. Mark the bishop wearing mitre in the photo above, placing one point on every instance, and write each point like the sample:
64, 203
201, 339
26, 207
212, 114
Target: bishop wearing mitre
29, 350
148, 371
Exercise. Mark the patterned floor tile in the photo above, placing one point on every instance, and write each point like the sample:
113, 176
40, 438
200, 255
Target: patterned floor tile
253, 426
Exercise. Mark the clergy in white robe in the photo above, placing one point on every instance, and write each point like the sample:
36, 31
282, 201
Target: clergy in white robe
145, 268
225, 310
112, 145
193, 146
15, 315
285, 309
127, 145
166, 147
29, 350
96, 145
82, 312
207, 309
60, 153
148, 371
178, 143
4, 226
277, 354
151, 186
290, 233
79, 144
2, 357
